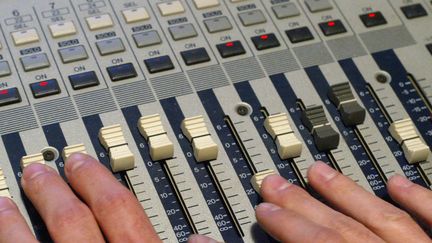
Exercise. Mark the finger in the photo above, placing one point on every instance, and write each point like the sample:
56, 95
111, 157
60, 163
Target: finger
67, 218
288, 226
13, 227
118, 212
412, 197
277, 190
387, 221
201, 239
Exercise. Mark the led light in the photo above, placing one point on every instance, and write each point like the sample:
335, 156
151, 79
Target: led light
264, 37
3, 92
43, 83
229, 44
331, 24
372, 15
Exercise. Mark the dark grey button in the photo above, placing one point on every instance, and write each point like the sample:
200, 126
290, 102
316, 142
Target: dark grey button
352, 113
184, 31
148, 38
111, 46
218, 24
122, 72
195, 56
373, 19
73, 54
230, 49
9, 96
299, 35
35, 62
159, 64
4, 69
45, 88
84, 80
318, 5
325, 137
414, 11
285, 10
252, 18
333, 27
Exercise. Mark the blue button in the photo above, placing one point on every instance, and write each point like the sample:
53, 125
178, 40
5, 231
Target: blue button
45, 88
195, 56
159, 64
122, 72
84, 80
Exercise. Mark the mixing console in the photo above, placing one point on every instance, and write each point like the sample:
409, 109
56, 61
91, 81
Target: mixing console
191, 103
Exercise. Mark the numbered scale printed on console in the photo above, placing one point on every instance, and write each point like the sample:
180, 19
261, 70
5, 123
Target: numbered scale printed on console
191, 103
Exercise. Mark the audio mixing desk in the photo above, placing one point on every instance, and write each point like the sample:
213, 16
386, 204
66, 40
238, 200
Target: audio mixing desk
191, 103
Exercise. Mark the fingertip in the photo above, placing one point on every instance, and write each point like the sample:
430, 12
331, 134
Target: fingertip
399, 181
320, 171
77, 160
200, 239
6, 204
33, 171
274, 183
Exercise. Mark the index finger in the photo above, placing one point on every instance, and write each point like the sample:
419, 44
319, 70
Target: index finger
116, 209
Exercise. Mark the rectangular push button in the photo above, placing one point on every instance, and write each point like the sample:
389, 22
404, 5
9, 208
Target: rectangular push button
159, 64
195, 56
9, 96
23, 37
318, 5
4, 69
171, 8
299, 35
333, 27
35, 62
73, 54
45, 88
218, 24
83, 80
266, 41
285, 10
414, 11
202, 4
99, 22
184, 31
148, 38
62, 29
111, 46
230, 49
122, 72
252, 18
373, 19
135, 15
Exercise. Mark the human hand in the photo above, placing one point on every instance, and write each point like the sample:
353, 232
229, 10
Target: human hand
290, 214
105, 208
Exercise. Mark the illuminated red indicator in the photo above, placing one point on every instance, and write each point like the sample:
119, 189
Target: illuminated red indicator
264, 37
372, 15
4, 92
229, 44
331, 24
43, 83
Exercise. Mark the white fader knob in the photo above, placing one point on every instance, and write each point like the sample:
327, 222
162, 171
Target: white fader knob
152, 129
287, 143
4, 189
258, 178
121, 157
195, 129
414, 148
30, 159
78, 148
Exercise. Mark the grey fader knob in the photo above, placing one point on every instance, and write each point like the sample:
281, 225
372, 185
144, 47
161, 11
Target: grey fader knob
352, 113
325, 137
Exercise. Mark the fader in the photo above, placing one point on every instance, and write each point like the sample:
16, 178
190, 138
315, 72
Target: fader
191, 103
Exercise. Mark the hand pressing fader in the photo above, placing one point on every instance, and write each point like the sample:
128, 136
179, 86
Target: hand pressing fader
105, 210
290, 214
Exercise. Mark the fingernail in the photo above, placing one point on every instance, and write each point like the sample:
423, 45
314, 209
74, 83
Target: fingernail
322, 169
5, 204
276, 183
200, 239
400, 181
34, 170
267, 207
76, 160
